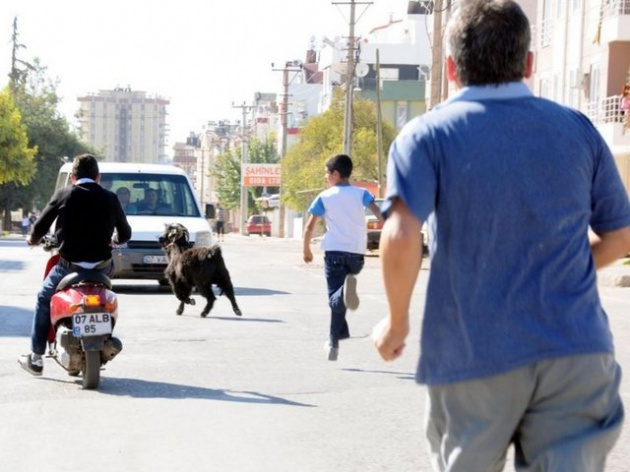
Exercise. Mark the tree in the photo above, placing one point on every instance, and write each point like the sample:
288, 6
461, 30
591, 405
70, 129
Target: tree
16, 158
227, 172
322, 137
48, 132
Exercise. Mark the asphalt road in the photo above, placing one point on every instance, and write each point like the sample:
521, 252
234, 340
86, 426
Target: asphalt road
250, 394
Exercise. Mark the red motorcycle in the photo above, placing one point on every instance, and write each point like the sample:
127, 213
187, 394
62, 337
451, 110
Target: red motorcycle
83, 313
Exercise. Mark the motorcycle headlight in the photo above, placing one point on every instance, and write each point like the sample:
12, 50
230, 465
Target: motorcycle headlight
204, 238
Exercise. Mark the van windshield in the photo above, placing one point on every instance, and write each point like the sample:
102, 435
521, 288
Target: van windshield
152, 194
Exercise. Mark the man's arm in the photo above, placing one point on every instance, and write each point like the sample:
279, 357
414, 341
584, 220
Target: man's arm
376, 211
611, 246
47, 217
308, 234
401, 258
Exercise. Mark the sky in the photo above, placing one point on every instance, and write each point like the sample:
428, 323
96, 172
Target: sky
204, 56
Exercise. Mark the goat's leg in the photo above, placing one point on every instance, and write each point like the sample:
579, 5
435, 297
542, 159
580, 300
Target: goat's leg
182, 292
208, 294
227, 289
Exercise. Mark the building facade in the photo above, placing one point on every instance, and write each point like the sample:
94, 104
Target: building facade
583, 61
125, 125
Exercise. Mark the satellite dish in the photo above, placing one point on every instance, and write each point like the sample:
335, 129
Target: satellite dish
361, 69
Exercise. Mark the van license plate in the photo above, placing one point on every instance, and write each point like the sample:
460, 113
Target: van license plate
91, 324
154, 259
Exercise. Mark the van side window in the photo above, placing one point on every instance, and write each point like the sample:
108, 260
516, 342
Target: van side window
62, 180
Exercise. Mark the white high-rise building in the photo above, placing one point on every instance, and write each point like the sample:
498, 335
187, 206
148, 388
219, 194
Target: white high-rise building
125, 125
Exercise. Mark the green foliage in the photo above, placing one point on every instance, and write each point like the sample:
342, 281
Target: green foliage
303, 167
227, 172
48, 132
16, 158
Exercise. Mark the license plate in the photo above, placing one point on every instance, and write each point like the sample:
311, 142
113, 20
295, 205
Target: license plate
154, 259
91, 324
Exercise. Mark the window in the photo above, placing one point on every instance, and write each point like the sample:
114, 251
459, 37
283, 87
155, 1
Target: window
546, 29
402, 115
544, 88
157, 194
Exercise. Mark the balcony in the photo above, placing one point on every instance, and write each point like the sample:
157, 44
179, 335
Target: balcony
608, 118
616, 21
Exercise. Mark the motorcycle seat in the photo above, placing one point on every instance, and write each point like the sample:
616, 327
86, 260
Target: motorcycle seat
93, 276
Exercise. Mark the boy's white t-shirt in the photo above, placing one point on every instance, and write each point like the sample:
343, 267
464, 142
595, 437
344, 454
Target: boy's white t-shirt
343, 209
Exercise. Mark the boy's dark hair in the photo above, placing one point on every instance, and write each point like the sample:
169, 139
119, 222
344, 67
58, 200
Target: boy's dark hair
489, 41
85, 166
341, 163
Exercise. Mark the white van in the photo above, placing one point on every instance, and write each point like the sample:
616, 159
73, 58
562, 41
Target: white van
142, 256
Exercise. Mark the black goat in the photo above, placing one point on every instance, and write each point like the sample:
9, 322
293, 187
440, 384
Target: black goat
199, 267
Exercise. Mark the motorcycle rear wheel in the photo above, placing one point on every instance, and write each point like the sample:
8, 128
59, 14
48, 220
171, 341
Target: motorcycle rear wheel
92, 370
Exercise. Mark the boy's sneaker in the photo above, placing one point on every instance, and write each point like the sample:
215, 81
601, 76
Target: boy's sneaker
333, 352
350, 297
33, 367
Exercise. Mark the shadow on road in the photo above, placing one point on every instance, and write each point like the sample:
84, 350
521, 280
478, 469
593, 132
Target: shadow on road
244, 319
13, 242
15, 321
166, 290
255, 292
137, 388
11, 265
399, 375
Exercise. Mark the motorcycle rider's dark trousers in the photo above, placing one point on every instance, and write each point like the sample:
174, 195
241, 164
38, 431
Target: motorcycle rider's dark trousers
41, 320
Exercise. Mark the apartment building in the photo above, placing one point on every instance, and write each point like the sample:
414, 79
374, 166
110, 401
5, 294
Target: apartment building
125, 125
582, 52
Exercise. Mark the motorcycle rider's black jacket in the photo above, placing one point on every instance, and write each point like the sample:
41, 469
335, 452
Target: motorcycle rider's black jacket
87, 215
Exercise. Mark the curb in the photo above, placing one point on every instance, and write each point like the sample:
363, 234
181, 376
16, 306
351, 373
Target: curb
614, 280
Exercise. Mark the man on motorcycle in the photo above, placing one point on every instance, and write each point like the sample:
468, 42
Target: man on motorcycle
86, 215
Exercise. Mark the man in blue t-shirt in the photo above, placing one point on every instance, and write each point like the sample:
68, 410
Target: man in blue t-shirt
342, 206
515, 345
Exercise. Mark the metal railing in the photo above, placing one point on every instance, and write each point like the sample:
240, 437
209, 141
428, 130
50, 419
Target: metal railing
617, 7
546, 30
605, 110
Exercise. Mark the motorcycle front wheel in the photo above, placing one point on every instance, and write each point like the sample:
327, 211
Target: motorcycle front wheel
92, 370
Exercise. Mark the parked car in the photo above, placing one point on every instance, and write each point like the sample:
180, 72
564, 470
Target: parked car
374, 227
258, 224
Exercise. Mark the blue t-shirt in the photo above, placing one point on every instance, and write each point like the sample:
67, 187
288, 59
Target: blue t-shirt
343, 209
509, 184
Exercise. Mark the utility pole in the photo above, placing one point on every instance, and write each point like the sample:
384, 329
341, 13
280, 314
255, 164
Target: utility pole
289, 66
350, 63
437, 56
379, 125
347, 124
244, 201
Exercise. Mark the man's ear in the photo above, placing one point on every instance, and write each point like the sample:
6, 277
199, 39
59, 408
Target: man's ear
529, 65
451, 69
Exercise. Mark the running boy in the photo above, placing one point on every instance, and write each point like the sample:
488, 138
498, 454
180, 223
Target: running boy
342, 206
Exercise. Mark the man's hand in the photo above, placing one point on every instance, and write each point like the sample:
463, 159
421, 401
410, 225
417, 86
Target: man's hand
389, 340
29, 241
308, 255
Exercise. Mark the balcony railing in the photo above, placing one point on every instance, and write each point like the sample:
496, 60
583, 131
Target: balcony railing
617, 7
546, 30
606, 110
